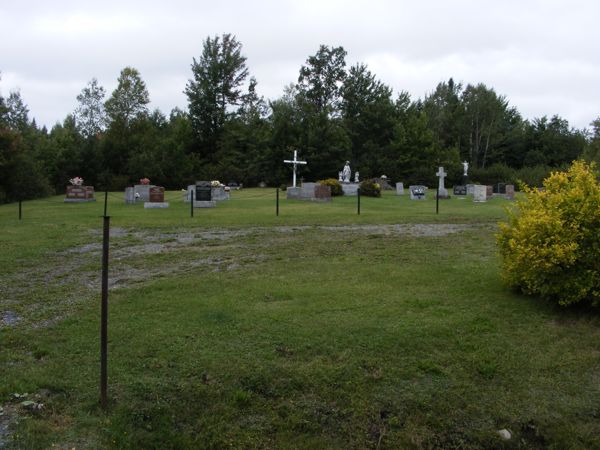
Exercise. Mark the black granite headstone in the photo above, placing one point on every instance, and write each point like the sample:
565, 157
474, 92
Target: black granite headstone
460, 190
203, 191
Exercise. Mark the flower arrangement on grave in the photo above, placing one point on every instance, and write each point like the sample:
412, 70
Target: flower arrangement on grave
77, 181
144, 181
215, 183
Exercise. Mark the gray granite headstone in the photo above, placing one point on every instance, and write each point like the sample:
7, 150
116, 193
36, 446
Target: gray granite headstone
219, 193
510, 191
460, 190
417, 192
129, 196
399, 188
293, 193
479, 193
144, 192
470, 189
187, 195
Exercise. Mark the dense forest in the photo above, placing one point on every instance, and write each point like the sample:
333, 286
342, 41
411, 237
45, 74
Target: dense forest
331, 114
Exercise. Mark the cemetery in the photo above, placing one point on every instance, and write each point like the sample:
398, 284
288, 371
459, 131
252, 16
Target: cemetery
393, 325
342, 265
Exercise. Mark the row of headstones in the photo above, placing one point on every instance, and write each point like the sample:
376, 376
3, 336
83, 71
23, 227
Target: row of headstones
480, 192
152, 196
205, 195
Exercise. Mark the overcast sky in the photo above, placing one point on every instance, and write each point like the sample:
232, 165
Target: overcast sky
542, 55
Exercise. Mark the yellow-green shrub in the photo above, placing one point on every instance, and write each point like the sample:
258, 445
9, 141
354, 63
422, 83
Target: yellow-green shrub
336, 186
551, 243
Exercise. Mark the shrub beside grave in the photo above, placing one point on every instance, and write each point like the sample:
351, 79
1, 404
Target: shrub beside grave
370, 188
551, 243
336, 186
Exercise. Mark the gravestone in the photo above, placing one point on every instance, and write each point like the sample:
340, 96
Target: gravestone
203, 195
417, 192
143, 192
80, 194
510, 192
293, 193
489, 191
156, 198
479, 193
500, 188
460, 190
310, 191
399, 188
442, 191
322, 193
470, 189
129, 195
218, 193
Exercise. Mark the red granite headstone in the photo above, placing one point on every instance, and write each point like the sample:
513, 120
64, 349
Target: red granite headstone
322, 192
80, 193
157, 194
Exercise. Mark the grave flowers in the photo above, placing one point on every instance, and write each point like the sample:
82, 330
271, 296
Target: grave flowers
144, 181
76, 181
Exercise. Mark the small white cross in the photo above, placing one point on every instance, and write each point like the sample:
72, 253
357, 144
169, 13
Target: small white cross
295, 162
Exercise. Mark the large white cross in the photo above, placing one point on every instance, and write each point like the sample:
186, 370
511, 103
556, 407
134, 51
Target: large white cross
442, 175
295, 162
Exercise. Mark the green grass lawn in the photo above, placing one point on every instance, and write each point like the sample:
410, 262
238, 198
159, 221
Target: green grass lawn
319, 328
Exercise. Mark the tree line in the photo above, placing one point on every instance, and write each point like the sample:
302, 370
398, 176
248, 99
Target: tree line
331, 114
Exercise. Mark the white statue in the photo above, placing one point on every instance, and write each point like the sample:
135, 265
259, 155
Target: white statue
346, 172
356, 177
465, 168
341, 174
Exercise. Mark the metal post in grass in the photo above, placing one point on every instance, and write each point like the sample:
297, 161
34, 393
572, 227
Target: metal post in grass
20, 210
192, 203
277, 201
104, 310
358, 201
437, 200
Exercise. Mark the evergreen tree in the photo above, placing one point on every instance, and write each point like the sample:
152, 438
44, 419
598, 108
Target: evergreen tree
215, 92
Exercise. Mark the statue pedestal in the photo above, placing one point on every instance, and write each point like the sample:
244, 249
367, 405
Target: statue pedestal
350, 188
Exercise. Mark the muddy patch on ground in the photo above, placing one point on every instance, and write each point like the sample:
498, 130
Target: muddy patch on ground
74, 274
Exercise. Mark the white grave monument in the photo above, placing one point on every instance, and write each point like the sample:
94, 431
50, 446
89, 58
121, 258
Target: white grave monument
295, 162
442, 192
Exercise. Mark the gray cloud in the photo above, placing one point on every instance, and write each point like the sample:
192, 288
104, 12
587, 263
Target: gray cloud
542, 55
